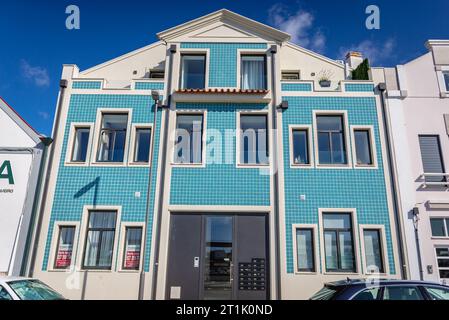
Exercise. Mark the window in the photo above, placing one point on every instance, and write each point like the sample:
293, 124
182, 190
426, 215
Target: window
253, 72
64, 250
373, 251
304, 250
446, 79
402, 293
4, 295
363, 148
193, 71
331, 140
157, 74
443, 262
133, 243
253, 139
290, 75
80, 144
431, 158
100, 240
437, 293
439, 227
189, 139
368, 294
338, 242
300, 141
142, 144
112, 139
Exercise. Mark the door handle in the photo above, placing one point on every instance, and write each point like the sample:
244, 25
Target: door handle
231, 272
196, 262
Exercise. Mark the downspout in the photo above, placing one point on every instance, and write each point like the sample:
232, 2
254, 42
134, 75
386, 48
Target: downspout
418, 242
396, 201
163, 159
63, 86
277, 255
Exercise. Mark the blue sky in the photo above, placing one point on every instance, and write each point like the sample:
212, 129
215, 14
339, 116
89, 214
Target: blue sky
35, 42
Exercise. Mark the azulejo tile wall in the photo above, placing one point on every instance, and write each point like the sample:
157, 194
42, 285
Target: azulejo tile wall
364, 190
86, 85
93, 185
223, 60
220, 184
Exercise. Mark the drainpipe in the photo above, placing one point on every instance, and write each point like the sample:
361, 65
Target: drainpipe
418, 242
163, 159
63, 86
277, 255
382, 87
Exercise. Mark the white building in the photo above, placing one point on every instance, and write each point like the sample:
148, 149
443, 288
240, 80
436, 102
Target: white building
417, 109
21, 154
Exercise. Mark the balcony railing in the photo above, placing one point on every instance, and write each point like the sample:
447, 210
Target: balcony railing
435, 179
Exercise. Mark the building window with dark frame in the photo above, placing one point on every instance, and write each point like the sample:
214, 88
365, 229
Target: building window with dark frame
193, 71
142, 144
112, 138
290, 75
189, 139
446, 80
439, 227
253, 69
331, 140
305, 247
132, 248
443, 262
363, 148
253, 142
80, 144
373, 250
64, 250
339, 242
300, 146
100, 237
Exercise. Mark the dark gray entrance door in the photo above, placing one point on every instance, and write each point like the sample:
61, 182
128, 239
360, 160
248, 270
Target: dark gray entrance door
217, 257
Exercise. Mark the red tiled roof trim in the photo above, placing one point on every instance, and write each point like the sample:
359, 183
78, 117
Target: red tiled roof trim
224, 91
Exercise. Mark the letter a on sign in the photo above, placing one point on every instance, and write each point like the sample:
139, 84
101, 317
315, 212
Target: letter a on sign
373, 20
6, 166
73, 20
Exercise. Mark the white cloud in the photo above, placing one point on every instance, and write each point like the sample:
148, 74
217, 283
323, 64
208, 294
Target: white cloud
299, 25
44, 115
38, 75
375, 52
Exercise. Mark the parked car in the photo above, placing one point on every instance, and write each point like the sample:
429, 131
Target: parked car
383, 289
17, 288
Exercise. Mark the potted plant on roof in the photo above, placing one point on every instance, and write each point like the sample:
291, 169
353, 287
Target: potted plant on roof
324, 78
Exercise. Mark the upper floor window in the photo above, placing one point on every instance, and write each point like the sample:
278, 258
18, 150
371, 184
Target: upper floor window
253, 139
290, 75
193, 71
363, 148
446, 79
142, 145
300, 141
432, 159
112, 137
189, 136
331, 140
253, 72
80, 144
157, 74
439, 227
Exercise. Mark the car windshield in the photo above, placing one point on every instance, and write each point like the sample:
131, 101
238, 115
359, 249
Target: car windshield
34, 290
326, 293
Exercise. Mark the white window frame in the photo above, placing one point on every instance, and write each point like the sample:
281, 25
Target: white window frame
244, 52
446, 237
444, 92
310, 148
83, 237
97, 129
55, 244
202, 112
344, 115
121, 249
436, 260
373, 147
71, 144
132, 149
384, 252
291, 71
355, 237
238, 135
316, 261
194, 51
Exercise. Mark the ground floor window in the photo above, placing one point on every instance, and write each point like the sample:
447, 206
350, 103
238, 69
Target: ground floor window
133, 244
64, 250
443, 262
373, 251
338, 242
304, 250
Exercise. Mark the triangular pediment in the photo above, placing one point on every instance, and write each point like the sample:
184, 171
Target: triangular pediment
223, 25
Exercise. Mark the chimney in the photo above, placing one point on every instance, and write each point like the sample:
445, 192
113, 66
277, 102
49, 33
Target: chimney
354, 59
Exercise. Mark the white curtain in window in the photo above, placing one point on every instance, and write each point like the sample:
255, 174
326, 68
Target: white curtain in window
253, 72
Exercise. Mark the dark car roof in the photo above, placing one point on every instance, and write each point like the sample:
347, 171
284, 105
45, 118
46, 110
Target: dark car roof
363, 282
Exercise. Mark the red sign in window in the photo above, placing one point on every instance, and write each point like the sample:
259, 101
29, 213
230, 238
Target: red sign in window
132, 258
64, 257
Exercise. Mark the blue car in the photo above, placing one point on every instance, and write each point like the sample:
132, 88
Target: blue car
382, 289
